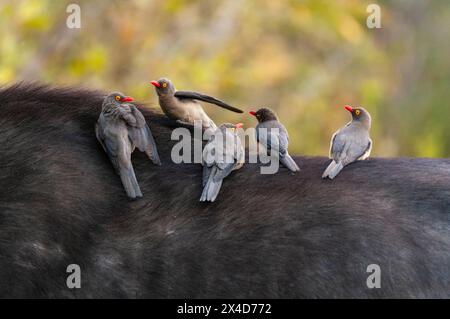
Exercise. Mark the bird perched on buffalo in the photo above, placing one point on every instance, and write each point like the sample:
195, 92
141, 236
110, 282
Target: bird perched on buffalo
268, 129
121, 128
183, 106
222, 154
351, 143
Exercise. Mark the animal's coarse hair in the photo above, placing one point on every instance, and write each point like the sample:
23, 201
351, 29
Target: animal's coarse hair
276, 235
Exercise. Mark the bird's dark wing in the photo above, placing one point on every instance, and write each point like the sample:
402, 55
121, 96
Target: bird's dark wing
257, 135
99, 135
139, 119
223, 171
205, 98
263, 136
284, 142
127, 115
143, 139
140, 135
367, 151
109, 146
111, 149
339, 146
267, 135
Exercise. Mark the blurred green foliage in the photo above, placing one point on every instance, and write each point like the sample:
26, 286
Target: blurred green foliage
305, 59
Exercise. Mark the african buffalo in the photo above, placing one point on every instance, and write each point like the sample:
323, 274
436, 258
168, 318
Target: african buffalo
267, 236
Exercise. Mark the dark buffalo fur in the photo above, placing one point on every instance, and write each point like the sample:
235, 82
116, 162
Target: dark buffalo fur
266, 236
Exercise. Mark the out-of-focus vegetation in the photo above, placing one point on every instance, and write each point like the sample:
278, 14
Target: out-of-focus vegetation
305, 59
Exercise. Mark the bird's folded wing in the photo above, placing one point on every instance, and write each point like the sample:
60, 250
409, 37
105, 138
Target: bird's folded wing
206, 98
99, 135
139, 118
270, 138
233, 154
338, 145
284, 142
109, 146
111, 149
366, 153
143, 139
126, 115
262, 137
208, 156
224, 170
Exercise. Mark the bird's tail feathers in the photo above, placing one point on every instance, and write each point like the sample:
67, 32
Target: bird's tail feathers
211, 189
289, 163
332, 170
130, 183
224, 172
151, 150
328, 169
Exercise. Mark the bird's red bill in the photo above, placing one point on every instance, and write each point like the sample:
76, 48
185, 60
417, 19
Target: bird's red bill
349, 108
155, 83
127, 99
252, 113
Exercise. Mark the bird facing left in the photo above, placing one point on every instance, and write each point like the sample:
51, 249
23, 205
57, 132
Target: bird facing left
222, 154
120, 129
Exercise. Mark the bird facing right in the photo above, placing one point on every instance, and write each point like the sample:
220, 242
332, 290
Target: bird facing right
120, 129
350, 143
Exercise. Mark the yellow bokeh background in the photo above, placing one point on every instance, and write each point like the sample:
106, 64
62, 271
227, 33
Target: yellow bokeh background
304, 59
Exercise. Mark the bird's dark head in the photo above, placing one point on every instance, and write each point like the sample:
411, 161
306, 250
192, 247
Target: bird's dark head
163, 86
264, 114
117, 98
359, 115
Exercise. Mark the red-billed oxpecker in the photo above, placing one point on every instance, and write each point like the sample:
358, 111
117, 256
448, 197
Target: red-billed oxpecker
351, 143
183, 106
268, 129
121, 128
222, 154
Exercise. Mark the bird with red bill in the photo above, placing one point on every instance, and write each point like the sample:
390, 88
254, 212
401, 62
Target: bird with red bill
120, 129
184, 106
269, 127
351, 143
220, 158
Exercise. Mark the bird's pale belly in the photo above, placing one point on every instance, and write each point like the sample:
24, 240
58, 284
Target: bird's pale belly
186, 112
173, 115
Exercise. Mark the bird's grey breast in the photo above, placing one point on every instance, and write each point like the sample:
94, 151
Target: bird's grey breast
272, 126
172, 106
272, 129
353, 139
